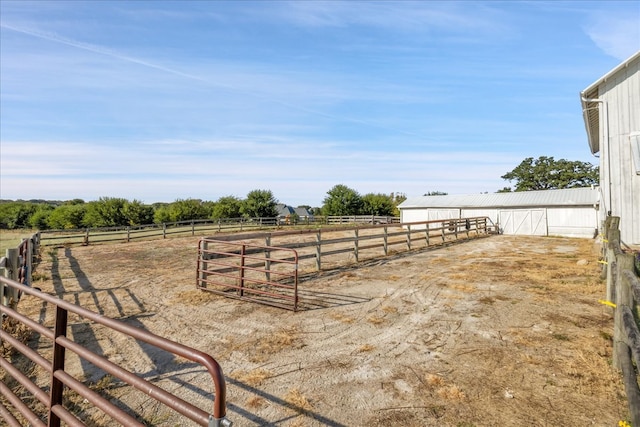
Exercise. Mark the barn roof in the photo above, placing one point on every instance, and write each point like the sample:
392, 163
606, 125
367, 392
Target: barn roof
591, 104
587, 196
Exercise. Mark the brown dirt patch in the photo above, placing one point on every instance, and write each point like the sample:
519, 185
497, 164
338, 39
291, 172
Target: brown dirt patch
493, 332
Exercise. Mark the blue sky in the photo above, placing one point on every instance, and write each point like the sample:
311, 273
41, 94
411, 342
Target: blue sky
157, 101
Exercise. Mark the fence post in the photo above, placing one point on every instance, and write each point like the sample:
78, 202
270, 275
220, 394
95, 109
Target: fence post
613, 239
57, 387
386, 241
203, 249
241, 268
86, 238
426, 233
443, 232
11, 272
193, 228
355, 244
128, 234
318, 250
409, 237
624, 298
164, 230
267, 255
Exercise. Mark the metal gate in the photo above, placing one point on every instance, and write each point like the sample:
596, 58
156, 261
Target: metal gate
525, 222
51, 396
262, 274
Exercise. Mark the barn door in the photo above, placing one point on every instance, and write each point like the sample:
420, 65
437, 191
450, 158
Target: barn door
525, 222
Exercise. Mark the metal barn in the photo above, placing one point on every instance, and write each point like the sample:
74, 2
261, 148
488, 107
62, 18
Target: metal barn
571, 212
611, 110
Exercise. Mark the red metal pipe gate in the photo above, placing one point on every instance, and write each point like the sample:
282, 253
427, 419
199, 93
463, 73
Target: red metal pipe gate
57, 413
262, 274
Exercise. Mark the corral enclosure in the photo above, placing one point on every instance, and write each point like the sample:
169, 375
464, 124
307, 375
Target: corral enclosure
498, 331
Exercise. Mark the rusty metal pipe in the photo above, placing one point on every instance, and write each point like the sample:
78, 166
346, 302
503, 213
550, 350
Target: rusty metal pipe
20, 406
212, 366
8, 417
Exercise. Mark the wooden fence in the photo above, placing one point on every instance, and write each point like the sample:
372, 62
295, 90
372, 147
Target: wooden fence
264, 267
86, 236
17, 265
623, 293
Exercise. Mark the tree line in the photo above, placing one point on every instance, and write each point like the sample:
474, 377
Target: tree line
544, 173
115, 212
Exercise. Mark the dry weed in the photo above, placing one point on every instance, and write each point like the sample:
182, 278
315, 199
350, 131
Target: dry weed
365, 348
340, 317
434, 380
451, 392
255, 402
299, 402
192, 297
275, 342
464, 288
375, 320
390, 309
252, 378
17, 330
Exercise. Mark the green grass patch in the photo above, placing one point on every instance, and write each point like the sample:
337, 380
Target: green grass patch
10, 239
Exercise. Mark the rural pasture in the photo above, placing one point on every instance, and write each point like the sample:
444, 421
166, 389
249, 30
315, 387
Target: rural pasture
503, 330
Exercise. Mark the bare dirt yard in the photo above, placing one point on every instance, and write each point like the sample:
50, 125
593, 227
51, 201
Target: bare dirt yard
497, 331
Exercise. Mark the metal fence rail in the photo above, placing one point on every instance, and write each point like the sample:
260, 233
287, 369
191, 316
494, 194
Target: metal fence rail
263, 274
241, 266
52, 394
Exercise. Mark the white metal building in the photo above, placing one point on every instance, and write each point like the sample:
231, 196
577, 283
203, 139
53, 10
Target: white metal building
571, 212
611, 110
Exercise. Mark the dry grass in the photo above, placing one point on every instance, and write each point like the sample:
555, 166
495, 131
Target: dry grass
340, 317
366, 348
274, 343
16, 329
451, 392
252, 378
434, 380
298, 401
193, 297
376, 320
255, 402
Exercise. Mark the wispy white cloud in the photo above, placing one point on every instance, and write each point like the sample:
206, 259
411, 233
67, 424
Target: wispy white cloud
168, 100
616, 33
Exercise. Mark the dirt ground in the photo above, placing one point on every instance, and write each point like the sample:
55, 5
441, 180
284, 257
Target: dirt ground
498, 331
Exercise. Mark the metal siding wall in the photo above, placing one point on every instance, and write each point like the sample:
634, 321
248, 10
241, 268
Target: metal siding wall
523, 222
434, 214
474, 212
572, 221
622, 94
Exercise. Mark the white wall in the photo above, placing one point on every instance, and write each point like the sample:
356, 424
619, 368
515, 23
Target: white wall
572, 222
618, 120
569, 221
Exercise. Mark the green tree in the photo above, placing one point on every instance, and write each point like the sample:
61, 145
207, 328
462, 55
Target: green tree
67, 217
162, 213
14, 215
106, 212
259, 204
546, 173
397, 199
227, 207
377, 204
137, 213
39, 218
187, 209
342, 200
